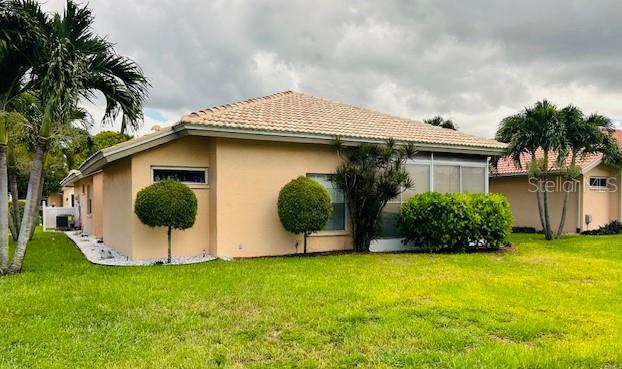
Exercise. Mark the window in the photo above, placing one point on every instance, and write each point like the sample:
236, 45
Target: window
420, 175
440, 173
446, 178
598, 182
89, 200
185, 175
474, 179
337, 220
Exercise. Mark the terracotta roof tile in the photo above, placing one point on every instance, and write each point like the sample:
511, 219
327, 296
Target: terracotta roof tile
295, 112
507, 166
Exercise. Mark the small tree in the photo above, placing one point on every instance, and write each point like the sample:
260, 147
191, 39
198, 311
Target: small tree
106, 139
304, 207
370, 177
168, 204
439, 121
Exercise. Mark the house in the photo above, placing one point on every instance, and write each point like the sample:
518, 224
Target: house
595, 196
237, 157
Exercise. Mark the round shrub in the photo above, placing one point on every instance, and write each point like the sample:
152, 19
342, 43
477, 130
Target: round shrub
437, 221
304, 207
167, 203
495, 219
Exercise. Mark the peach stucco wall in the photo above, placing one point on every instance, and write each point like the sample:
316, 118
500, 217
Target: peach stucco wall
237, 213
67, 192
525, 208
250, 175
80, 190
91, 223
118, 211
55, 199
603, 205
187, 152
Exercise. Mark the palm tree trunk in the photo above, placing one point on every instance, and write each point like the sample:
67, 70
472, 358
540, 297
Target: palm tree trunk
31, 207
4, 210
562, 219
40, 195
547, 219
570, 177
540, 210
16, 218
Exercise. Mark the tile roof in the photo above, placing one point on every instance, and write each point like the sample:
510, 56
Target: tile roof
295, 112
507, 166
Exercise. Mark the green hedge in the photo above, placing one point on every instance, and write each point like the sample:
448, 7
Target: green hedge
456, 221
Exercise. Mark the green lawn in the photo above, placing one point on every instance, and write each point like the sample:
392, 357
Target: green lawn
553, 305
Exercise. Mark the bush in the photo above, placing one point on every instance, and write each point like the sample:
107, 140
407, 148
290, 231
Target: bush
524, 230
455, 222
614, 227
168, 204
495, 219
304, 207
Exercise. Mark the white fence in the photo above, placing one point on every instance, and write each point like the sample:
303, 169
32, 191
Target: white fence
50, 213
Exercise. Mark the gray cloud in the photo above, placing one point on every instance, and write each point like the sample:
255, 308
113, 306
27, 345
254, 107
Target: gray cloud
473, 61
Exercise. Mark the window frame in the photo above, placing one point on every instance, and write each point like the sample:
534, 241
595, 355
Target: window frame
598, 187
164, 167
346, 218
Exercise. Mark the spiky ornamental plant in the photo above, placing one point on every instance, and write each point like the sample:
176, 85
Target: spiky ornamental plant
370, 176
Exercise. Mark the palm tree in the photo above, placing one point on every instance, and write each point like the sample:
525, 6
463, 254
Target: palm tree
17, 48
535, 128
439, 121
73, 63
584, 135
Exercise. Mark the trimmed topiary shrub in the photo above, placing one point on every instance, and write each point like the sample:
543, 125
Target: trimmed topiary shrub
169, 204
495, 219
456, 221
304, 207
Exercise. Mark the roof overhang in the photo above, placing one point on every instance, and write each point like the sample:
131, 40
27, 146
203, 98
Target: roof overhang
98, 160
285, 136
71, 178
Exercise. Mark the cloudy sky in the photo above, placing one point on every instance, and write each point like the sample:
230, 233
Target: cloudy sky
472, 61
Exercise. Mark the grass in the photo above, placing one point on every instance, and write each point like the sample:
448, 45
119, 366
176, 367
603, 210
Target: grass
544, 305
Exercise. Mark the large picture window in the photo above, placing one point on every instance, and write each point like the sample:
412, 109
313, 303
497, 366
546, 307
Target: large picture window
445, 174
185, 175
337, 220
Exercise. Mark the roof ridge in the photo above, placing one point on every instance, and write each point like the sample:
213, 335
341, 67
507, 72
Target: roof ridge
219, 109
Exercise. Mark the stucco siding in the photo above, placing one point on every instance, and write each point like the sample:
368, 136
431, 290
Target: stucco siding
97, 203
80, 190
250, 175
602, 204
118, 212
524, 204
187, 152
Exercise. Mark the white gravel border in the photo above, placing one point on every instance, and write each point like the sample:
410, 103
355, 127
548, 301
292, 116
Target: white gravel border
99, 253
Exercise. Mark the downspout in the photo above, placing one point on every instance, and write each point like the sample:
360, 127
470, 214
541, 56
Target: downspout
487, 176
580, 206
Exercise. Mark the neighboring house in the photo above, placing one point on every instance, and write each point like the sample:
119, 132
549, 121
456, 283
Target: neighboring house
597, 193
68, 196
237, 157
